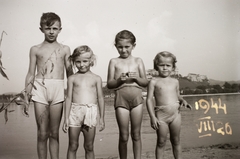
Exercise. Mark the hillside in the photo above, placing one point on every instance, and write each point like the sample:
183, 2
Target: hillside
184, 83
191, 84
215, 82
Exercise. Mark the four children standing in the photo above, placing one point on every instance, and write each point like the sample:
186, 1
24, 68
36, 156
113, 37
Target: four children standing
126, 75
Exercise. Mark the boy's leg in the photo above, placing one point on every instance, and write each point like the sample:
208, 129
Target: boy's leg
122, 116
42, 120
174, 129
55, 120
89, 136
136, 122
73, 135
162, 133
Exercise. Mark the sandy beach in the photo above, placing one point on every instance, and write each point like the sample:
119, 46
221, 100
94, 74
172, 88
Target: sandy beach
18, 136
220, 151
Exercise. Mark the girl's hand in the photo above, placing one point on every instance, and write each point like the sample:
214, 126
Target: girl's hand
189, 106
155, 123
102, 125
132, 75
123, 77
65, 126
185, 104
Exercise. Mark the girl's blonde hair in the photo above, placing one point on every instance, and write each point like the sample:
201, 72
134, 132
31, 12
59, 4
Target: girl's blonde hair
164, 54
82, 50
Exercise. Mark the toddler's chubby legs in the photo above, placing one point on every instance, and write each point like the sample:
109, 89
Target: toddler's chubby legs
89, 136
135, 115
162, 132
48, 120
174, 129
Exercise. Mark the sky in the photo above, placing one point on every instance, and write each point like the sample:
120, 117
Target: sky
204, 35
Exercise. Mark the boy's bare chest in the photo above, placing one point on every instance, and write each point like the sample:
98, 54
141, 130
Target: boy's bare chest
52, 56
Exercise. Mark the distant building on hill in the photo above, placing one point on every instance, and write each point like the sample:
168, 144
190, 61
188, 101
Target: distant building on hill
151, 73
197, 77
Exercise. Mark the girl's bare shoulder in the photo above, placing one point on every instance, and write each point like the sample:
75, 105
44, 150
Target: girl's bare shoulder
115, 60
95, 76
174, 80
136, 59
154, 80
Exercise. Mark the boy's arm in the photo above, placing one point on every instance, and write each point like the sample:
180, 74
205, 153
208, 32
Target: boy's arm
101, 103
111, 82
68, 65
31, 73
68, 102
150, 107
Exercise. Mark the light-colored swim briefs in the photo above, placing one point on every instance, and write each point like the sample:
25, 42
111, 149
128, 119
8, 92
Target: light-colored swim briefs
83, 114
51, 92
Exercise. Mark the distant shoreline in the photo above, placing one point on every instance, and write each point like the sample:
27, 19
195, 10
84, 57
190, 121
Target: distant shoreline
188, 95
214, 94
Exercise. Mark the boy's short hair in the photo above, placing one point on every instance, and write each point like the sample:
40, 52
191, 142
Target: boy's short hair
125, 34
164, 54
81, 50
49, 19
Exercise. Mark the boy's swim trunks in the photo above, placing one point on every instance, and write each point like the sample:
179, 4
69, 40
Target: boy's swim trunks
128, 97
52, 92
167, 113
83, 114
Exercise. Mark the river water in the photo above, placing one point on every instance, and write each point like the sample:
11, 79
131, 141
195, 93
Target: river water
214, 119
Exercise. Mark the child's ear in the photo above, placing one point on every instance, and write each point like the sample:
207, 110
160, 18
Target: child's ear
155, 67
92, 63
134, 45
41, 29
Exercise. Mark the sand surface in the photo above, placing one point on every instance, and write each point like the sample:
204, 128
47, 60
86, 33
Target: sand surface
18, 136
220, 151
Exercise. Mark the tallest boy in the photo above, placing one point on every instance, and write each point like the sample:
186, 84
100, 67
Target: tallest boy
49, 58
